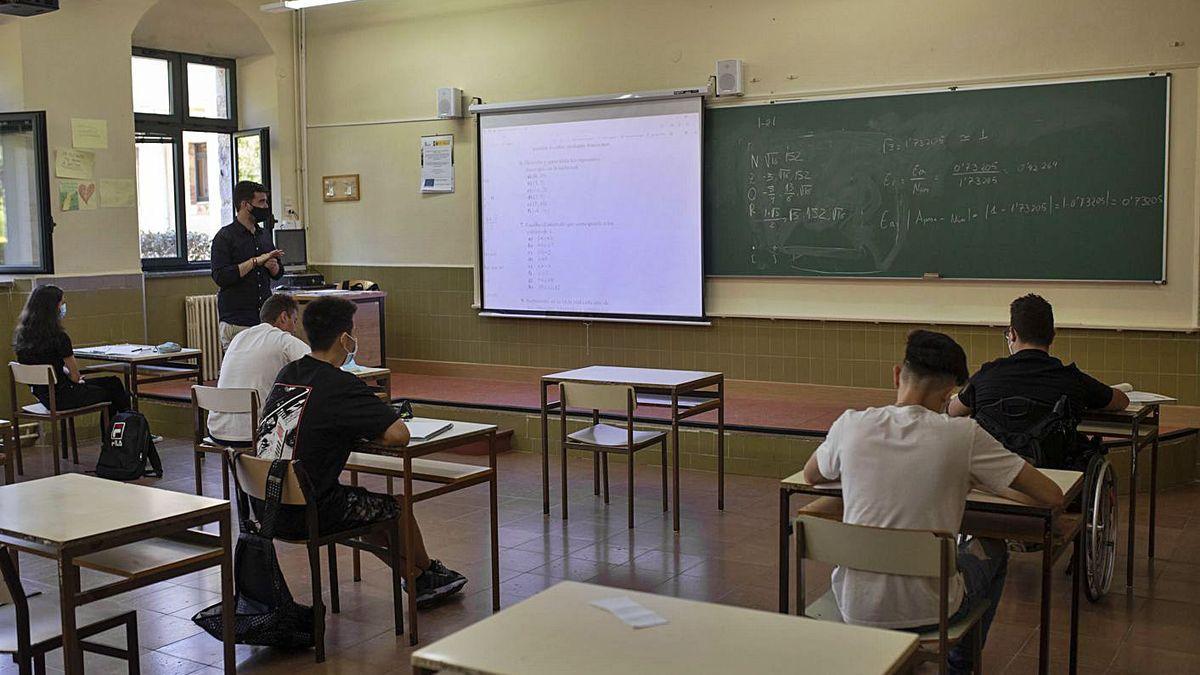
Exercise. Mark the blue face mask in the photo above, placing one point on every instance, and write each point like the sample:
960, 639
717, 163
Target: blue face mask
62, 311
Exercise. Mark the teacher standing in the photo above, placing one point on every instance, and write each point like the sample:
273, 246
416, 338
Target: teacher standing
244, 261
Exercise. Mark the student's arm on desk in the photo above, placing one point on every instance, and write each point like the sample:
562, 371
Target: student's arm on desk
957, 408
1120, 400
826, 454
395, 435
1036, 488
812, 474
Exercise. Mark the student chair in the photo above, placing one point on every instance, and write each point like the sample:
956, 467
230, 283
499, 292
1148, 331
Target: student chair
32, 626
250, 478
602, 439
7, 457
213, 399
43, 375
914, 553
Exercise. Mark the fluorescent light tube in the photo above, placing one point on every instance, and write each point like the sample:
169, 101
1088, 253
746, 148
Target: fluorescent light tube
304, 4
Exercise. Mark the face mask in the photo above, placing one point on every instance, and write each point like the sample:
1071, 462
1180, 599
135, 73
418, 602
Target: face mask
349, 362
260, 214
62, 311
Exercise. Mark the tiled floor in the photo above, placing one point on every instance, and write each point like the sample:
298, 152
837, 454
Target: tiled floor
724, 557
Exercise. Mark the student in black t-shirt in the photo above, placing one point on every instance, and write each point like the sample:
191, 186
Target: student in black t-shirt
40, 339
315, 413
1030, 371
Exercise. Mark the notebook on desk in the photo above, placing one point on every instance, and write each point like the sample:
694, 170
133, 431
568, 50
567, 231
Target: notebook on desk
423, 430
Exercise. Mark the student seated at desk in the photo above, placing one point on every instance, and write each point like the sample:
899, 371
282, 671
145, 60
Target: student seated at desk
315, 413
1030, 371
911, 466
40, 339
253, 359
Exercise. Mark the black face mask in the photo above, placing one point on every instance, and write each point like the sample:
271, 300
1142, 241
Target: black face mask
260, 214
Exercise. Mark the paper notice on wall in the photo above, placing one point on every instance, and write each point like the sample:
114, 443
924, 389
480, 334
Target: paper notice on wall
77, 195
87, 133
117, 192
437, 163
70, 163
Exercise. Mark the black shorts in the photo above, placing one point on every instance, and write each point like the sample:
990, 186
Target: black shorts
342, 508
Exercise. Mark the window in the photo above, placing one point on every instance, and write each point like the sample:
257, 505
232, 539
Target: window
25, 223
185, 114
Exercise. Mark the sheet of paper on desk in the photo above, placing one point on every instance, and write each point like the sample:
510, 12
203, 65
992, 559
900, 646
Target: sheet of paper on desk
118, 350
629, 612
1148, 397
420, 430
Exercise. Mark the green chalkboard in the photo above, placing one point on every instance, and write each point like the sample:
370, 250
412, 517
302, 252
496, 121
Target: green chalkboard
1048, 181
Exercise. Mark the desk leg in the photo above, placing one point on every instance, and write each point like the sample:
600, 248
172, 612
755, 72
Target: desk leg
1076, 581
200, 369
410, 577
494, 524
785, 530
68, 590
133, 386
675, 452
721, 445
1047, 575
227, 594
1134, 449
1153, 493
545, 453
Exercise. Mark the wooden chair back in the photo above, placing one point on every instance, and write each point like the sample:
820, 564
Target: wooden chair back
227, 400
910, 553
250, 476
39, 375
606, 397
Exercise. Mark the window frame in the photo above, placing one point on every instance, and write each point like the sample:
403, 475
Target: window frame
173, 126
45, 233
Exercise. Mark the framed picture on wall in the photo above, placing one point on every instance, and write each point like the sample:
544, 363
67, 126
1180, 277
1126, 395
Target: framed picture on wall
340, 188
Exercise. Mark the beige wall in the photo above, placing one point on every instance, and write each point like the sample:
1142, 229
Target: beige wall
376, 61
75, 63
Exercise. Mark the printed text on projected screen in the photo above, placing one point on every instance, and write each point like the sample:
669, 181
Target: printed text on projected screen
593, 210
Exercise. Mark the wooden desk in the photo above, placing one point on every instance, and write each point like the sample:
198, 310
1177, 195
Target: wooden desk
462, 433
1014, 524
557, 631
380, 378
369, 327
83, 521
155, 366
653, 387
1138, 424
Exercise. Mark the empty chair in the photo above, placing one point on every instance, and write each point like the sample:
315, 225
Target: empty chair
603, 439
43, 375
32, 626
250, 478
214, 399
914, 553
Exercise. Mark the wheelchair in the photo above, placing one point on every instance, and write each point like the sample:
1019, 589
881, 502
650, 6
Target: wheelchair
1047, 437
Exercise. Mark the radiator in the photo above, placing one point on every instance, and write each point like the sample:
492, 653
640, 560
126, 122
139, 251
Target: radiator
203, 331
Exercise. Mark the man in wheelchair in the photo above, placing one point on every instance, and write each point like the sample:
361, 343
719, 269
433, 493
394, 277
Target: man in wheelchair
1030, 401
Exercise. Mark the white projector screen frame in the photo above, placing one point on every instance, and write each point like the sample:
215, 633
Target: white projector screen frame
680, 102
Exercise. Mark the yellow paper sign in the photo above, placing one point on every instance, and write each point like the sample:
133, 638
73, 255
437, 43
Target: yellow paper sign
77, 195
87, 133
70, 163
116, 192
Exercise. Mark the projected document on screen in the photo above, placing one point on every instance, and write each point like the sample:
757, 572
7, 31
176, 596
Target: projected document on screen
593, 210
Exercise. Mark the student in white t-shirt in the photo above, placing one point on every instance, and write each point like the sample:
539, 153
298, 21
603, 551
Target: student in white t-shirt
253, 359
910, 466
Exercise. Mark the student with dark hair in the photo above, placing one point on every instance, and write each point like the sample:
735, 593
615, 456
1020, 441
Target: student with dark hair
315, 413
1030, 371
910, 466
40, 339
252, 361
244, 260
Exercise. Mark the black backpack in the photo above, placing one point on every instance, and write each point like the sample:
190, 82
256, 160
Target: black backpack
127, 448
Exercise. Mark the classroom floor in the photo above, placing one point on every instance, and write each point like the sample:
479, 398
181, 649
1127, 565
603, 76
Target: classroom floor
724, 557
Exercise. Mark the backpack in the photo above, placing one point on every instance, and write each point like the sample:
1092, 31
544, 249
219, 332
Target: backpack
127, 448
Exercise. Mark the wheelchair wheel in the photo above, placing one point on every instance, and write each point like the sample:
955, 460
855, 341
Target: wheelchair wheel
1100, 521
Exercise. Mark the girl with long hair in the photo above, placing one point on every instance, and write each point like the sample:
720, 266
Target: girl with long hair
40, 339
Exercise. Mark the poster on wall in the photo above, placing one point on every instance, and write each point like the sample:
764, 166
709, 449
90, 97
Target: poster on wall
77, 195
117, 192
70, 163
87, 133
437, 163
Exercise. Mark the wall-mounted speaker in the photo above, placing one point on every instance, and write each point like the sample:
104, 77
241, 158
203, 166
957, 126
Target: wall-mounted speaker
729, 77
449, 102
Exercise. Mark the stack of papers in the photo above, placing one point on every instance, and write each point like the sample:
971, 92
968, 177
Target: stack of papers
1143, 397
421, 430
119, 350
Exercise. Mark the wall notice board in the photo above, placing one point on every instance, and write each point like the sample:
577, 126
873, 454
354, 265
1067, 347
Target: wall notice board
1049, 181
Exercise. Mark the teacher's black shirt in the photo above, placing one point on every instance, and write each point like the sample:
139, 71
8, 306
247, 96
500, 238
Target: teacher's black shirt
240, 298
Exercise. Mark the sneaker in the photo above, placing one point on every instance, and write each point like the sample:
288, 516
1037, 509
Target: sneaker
438, 583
